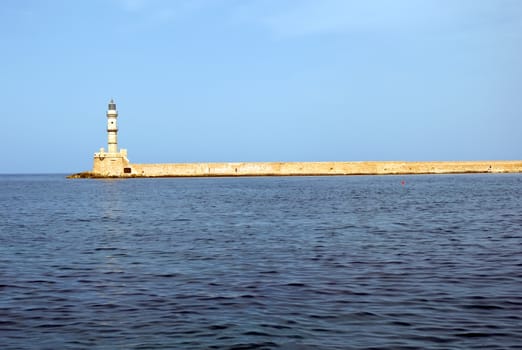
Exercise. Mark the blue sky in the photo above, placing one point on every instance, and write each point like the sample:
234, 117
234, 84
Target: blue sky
259, 80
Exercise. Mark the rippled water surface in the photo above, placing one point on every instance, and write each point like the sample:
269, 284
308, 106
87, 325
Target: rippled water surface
290, 263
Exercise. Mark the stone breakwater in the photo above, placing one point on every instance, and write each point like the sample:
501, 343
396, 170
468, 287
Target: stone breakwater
124, 169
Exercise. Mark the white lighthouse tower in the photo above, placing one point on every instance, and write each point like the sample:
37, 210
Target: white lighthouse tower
114, 162
112, 128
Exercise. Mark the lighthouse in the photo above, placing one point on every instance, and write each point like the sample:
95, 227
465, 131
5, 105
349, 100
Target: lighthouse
114, 162
112, 128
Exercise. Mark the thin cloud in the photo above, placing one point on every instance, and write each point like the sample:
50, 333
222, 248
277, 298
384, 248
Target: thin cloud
133, 5
163, 11
302, 18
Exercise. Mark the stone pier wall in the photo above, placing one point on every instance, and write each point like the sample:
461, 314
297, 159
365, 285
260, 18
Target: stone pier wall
304, 168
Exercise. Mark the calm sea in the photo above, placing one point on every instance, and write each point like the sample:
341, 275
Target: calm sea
383, 262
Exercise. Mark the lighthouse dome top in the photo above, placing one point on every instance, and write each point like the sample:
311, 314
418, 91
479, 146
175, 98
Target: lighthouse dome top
112, 105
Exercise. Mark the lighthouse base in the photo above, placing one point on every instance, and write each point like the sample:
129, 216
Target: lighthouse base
109, 164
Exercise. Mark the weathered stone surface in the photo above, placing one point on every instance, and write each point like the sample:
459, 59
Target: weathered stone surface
117, 165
